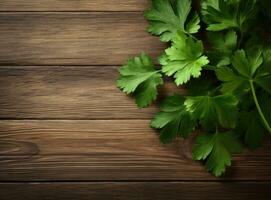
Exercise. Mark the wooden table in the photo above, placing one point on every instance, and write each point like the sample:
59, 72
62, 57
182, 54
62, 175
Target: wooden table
67, 132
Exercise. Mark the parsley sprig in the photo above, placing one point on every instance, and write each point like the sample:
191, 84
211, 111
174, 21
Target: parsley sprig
227, 76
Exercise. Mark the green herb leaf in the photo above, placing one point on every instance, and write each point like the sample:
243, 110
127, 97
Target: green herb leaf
217, 150
173, 119
184, 59
212, 111
251, 128
248, 65
223, 46
263, 77
139, 76
167, 17
221, 14
232, 82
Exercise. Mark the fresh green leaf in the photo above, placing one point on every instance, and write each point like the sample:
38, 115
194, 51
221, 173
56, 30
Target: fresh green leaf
251, 128
184, 59
212, 111
223, 46
173, 119
264, 82
217, 150
263, 77
139, 76
227, 14
246, 63
168, 16
250, 65
232, 82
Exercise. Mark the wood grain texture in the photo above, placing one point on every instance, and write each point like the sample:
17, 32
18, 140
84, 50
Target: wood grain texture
74, 38
135, 191
68, 93
108, 150
73, 5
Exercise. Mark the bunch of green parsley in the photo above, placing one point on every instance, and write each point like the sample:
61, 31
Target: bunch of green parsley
227, 75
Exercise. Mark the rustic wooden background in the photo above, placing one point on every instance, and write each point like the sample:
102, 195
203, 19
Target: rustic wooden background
66, 131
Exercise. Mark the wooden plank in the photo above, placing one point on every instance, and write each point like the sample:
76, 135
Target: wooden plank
74, 5
74, 38
68, 93
135, 191
108, 150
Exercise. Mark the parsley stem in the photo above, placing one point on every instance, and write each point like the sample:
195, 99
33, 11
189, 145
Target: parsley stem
192, 36
258, 106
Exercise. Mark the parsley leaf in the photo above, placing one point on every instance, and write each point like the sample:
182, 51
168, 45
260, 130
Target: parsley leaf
246, 63
173, 119
223, 46
216, 149
251, 128
263, 77
232, 82
184, 59
250, 65
226, 14
212, 111
167, 17
139, 76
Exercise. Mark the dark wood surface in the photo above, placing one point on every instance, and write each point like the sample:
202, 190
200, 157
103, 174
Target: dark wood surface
74, 5
66, 131
90, 150
74, 38
68, 92
137, 190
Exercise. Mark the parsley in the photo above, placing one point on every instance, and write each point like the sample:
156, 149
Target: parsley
216, 149
167, 17
174, 119
227, 77
140, 77
184, 58
213, 110
226, 14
